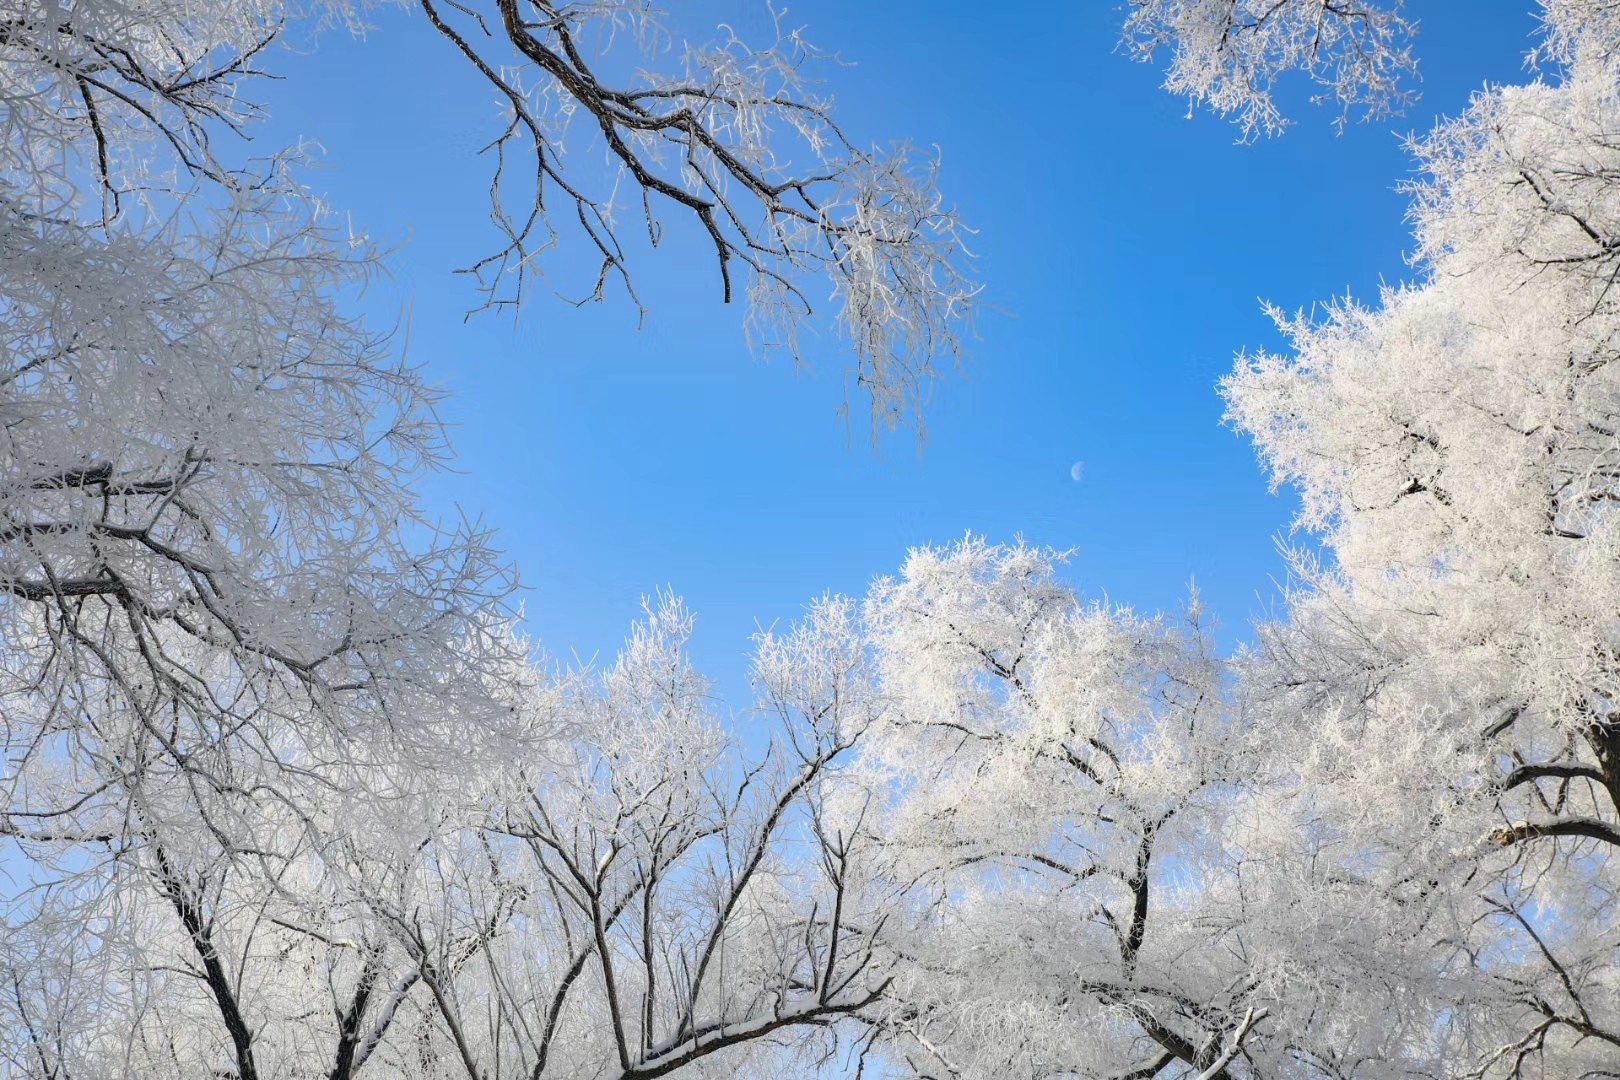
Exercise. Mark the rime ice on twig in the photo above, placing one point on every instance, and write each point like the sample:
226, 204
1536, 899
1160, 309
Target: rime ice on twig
737, 141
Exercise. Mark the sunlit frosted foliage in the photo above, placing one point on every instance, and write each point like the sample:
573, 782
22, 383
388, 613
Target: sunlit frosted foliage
1052, 774
1229, 54
1456, 448
650, 898
107, 102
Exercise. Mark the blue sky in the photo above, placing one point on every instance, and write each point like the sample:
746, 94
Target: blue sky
1125, 245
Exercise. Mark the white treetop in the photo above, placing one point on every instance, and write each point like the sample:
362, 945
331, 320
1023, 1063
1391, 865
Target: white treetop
1053, 773
1228, 54
1453, 666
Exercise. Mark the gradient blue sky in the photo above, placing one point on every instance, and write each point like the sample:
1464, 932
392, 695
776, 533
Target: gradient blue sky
1126, 245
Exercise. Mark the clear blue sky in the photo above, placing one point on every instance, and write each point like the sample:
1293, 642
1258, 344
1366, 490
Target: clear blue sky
1127, 245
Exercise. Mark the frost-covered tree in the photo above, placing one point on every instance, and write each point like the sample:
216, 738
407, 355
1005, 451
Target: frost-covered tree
258, 713
223, 623
1449, 672
617, 889
733, 138
1228, 55
1405, 859
1050, 774
1052, 777
652, 899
